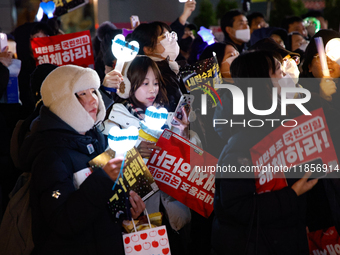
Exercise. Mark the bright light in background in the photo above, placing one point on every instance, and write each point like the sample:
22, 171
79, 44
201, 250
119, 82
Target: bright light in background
48, 8
40, 14
122, 140
155, 118
333, 50
206, 35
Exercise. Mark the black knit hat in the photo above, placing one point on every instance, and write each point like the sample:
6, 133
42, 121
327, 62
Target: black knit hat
38, 76
271, 45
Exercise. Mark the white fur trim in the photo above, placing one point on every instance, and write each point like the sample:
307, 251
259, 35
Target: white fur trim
58, 94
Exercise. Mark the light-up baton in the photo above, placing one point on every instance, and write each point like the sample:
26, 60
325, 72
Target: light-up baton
151, 127
48, 8
122, 140
123, 51
322, 56
206, 35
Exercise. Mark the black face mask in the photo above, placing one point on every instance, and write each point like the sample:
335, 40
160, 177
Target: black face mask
185, 44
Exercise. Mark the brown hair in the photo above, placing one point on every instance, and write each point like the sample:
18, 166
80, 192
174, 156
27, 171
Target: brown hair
136, 75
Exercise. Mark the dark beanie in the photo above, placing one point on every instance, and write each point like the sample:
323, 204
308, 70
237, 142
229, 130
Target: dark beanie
38, 76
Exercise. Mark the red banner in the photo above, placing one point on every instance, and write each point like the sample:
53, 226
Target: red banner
75, 49
185, 172
324, 242
285, 150
309, 141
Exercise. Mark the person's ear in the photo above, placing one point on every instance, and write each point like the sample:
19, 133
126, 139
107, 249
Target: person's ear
147, 50
229, 30
309, 68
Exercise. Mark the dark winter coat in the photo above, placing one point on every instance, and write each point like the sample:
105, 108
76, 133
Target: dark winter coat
67, 220
273, 222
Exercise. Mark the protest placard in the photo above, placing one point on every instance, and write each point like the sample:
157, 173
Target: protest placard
285, 152
74, 48
185, 172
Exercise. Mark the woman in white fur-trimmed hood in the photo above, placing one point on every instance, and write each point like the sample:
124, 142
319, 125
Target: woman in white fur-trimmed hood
68, 199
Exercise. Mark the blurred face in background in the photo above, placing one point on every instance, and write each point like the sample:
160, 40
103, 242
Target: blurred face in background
316, 69
298, 27
257, 23
278, 40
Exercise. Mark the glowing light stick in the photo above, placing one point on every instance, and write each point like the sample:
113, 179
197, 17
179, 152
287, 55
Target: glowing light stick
122, 140
311, 20
123, 51
40, 14
155, 118
206, 35
48, 8
322, 56
151, 127
333, 50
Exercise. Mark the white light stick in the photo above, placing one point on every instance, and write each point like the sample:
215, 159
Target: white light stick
322, 56
122, 140
155, 118
333, 50
123, 51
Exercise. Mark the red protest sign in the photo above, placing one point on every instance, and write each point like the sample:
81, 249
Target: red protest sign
74, 48
185, 172
285, 150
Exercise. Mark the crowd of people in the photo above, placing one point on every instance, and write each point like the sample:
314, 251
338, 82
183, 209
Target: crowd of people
66, 112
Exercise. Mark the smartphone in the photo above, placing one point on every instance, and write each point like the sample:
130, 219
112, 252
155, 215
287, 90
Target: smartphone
186, 102
3, 41
183, 1
134, 21
317, 164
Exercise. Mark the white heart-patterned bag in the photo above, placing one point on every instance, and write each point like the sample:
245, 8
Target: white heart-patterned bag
147, 242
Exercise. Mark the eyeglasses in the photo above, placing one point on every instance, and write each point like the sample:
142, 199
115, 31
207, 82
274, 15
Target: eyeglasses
317, 58
288, 58
171, 36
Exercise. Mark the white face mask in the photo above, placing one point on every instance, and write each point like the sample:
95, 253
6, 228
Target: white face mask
243, 35
303, 47
292, 70
287, 82
171, 49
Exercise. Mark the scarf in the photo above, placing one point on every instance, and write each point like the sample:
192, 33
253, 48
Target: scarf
135, 111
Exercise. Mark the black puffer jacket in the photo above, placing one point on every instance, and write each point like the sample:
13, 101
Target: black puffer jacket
246, 223
67, 220
272, 222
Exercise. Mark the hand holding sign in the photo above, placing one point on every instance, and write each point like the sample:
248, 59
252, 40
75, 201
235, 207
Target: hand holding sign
303, 185
113, 167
